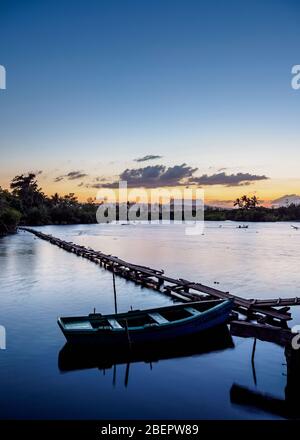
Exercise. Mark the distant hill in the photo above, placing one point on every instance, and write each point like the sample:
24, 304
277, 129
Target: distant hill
292, 199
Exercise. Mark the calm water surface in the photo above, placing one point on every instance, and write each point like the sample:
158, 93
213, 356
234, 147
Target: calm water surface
39, 282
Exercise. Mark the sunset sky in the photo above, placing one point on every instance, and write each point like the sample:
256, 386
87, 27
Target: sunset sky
161, 93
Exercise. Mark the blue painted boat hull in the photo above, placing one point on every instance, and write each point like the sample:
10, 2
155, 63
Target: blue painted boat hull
214, 316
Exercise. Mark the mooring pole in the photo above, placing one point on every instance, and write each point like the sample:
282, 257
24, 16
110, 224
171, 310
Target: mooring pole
127, 332
127, 374
253, 351
115, 292
114, 375
252, 361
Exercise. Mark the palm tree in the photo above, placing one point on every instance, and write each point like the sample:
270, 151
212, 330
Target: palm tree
254, 202
56, 199
238, 202
246, 202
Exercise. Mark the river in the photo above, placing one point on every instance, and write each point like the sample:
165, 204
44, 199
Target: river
39, 282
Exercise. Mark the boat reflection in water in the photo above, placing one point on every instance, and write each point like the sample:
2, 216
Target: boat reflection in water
73, 357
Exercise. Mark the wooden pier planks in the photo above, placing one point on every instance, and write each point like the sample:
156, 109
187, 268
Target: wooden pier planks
181, 289
268, 333
277, 302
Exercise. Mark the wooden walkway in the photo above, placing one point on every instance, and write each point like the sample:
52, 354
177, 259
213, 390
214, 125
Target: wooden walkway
273, 312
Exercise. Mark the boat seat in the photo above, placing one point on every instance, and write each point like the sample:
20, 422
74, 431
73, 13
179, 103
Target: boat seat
83, 325
114, 323
158, 318
192, 311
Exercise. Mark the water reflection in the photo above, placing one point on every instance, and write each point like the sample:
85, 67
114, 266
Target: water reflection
39, 282
288, 407
73, 358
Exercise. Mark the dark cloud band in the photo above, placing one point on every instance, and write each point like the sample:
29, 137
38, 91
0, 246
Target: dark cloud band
239, 179
148, 157
72, 175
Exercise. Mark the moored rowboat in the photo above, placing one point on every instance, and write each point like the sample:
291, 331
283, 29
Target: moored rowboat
140, 326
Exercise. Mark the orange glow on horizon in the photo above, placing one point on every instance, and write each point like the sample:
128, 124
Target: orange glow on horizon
266, 191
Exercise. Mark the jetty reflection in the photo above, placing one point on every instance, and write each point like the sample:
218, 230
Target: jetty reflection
72, 358
288, 407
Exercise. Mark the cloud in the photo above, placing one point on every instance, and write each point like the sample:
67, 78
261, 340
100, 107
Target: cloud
238, 179
286, 200
96, 185
72, 175
36, 172
153, 176
59, 179
101, 182
148, 157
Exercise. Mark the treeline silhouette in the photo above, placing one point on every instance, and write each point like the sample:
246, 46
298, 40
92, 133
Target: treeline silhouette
257, 214
26, 204
249, 211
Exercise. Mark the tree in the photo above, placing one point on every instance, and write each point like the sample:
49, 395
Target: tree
55, 199
9, 220
246, 202
238, 202
25, 188
70, 199
9, 217
254, 202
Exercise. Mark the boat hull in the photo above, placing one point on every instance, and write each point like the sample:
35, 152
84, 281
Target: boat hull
214, 317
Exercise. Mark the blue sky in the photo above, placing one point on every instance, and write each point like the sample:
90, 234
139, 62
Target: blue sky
92, 85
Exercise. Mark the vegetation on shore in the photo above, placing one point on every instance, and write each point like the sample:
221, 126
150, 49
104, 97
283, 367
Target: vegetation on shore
250, 211
258, 214
26, 204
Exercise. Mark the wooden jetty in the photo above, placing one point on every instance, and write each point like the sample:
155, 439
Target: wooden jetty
263, 316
